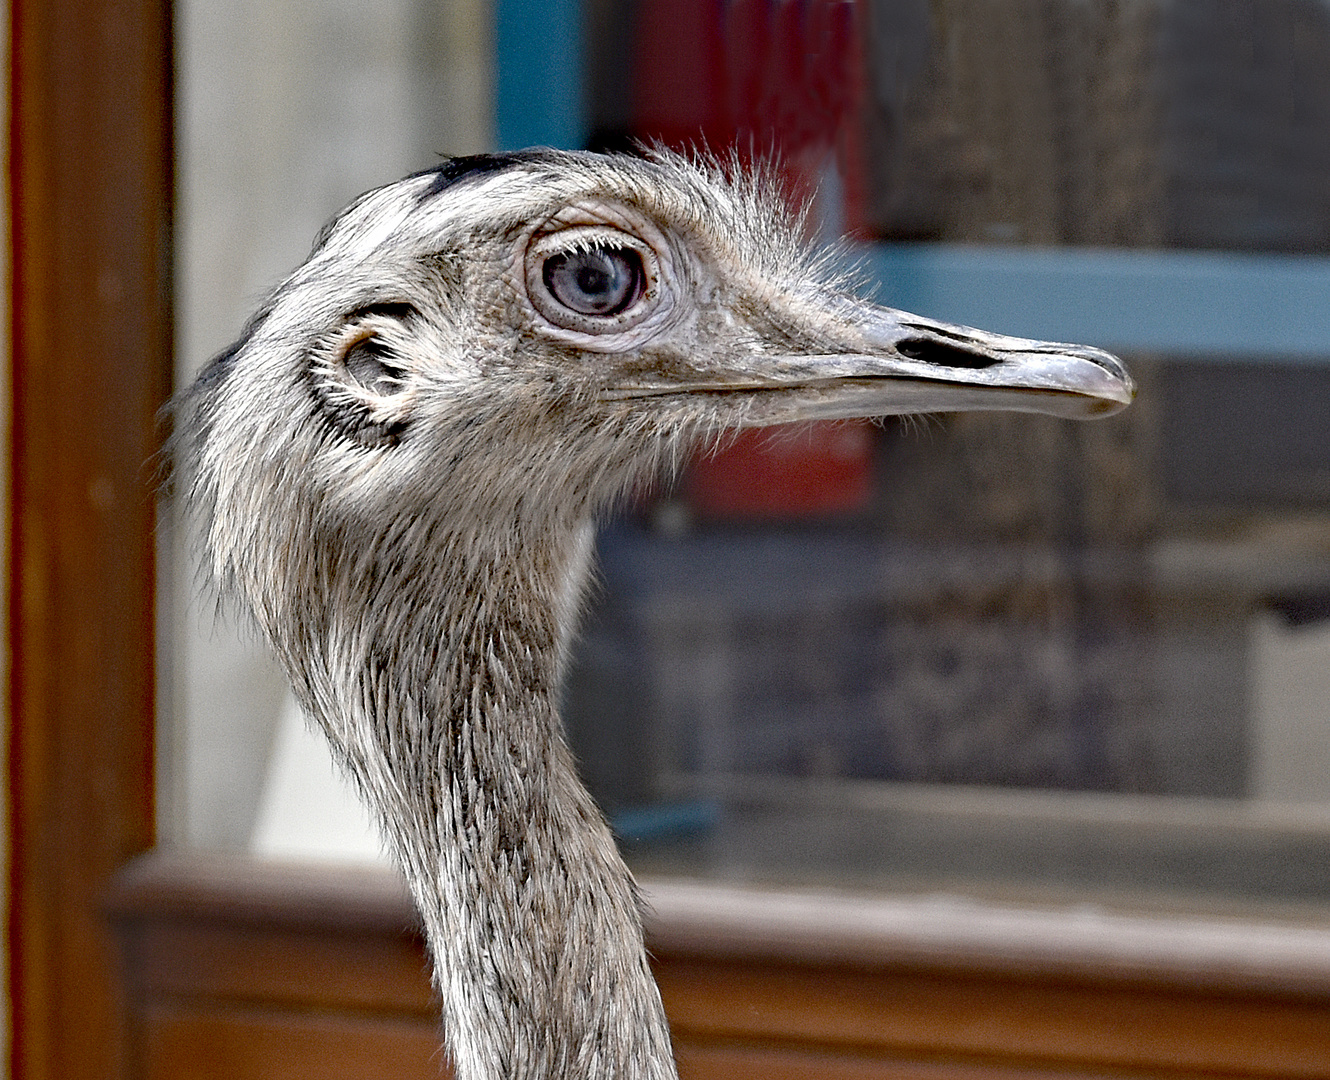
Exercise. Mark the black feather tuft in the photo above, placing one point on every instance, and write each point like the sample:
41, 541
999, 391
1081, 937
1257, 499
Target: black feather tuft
459, 168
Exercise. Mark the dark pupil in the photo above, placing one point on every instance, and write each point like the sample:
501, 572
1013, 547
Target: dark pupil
594, 281
602, 281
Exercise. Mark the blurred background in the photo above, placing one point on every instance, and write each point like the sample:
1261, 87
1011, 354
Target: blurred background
1009, 655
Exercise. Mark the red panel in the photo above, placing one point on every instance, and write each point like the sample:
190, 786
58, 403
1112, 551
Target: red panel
762, 77
812, 470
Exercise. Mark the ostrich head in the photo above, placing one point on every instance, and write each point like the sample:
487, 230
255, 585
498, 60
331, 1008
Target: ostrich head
395, 469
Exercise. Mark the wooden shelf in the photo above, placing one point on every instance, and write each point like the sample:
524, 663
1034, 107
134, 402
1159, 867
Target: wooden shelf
242, 969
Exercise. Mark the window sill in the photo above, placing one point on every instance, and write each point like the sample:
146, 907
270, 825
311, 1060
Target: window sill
243, 968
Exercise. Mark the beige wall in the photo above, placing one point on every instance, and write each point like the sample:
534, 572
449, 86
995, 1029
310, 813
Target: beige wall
286, 110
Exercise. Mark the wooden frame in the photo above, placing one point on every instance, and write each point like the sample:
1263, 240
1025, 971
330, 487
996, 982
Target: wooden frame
90, 212
90, 192
240, 968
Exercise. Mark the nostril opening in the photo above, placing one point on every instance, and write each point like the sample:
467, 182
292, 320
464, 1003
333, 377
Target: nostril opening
942, 354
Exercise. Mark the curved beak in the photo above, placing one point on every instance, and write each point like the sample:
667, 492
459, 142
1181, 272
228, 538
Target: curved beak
857, 359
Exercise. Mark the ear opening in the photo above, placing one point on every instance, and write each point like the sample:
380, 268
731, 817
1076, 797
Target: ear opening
372, 364
361, 381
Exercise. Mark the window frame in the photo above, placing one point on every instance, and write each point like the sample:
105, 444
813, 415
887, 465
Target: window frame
90, 217
90, 212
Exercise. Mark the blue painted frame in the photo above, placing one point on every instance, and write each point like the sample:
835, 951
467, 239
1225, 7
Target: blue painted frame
1199, 305
1189, 304
538, 84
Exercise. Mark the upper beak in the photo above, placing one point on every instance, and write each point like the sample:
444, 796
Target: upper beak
865, 360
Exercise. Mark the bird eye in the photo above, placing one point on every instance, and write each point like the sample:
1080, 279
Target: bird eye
597, 281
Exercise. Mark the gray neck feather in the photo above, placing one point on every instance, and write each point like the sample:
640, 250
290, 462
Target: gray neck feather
530, 913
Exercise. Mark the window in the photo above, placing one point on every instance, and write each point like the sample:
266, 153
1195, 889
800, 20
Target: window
1014, 686
987, 652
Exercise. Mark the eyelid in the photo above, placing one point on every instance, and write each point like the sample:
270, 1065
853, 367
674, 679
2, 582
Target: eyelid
570, 241
585, 238
657, 305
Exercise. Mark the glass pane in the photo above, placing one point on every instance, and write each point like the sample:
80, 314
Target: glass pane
1021, 656
1003, 654
287, 111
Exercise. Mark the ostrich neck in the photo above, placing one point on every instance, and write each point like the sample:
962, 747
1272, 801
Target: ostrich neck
530, 913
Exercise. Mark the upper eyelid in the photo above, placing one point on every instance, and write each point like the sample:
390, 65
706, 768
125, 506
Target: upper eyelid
584, 236
575, 216
592, 242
